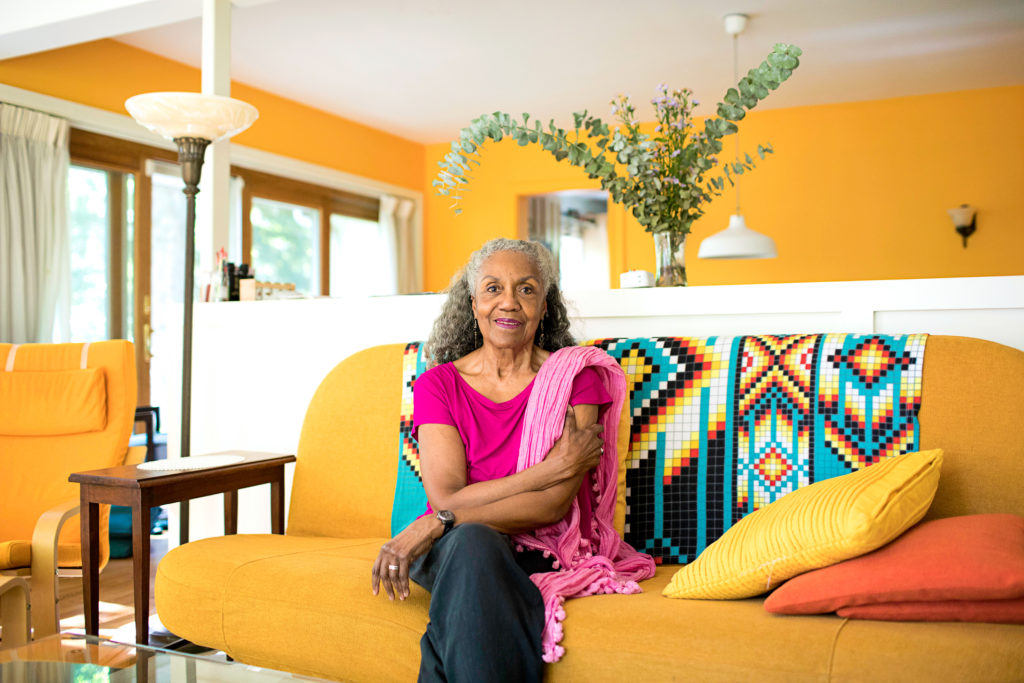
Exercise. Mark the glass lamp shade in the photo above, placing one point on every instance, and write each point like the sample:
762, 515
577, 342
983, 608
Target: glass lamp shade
191, 115
962, 215
737, 242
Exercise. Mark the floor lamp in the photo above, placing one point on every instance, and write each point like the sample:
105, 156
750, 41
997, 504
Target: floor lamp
192, 121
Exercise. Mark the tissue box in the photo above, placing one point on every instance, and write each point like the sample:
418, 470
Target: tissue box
636, 278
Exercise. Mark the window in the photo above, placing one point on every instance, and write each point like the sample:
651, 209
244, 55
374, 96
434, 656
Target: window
308, 235
127, 214
101, 232
286, 244
109, 209
363, 258
127, 217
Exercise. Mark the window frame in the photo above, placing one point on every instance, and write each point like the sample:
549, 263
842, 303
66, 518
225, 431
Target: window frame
114, 155
326, 200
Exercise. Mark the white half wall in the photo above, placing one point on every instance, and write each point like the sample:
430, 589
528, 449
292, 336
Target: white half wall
257, 364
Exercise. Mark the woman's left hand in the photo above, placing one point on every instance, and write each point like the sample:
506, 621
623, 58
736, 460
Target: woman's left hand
391, 567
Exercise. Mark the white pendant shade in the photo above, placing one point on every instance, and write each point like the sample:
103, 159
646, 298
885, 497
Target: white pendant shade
191, 115
737, 242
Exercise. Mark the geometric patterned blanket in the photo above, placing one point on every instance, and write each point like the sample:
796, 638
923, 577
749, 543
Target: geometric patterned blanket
721, 426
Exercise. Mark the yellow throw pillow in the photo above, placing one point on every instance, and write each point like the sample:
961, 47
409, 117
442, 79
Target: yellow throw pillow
826, 522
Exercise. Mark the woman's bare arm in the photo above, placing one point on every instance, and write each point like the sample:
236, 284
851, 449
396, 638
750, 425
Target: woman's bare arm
576, 451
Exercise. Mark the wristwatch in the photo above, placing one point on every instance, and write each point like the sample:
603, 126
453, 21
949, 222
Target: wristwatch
446, 517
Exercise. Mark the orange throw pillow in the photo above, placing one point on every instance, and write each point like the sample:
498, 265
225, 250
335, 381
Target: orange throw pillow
992, 611
960, 566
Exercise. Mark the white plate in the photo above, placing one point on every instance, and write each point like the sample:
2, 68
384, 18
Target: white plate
196, 462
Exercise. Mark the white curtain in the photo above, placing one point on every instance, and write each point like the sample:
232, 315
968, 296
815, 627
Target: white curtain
35, 261
396, 224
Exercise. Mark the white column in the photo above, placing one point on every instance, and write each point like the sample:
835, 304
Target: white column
213, 208
212, 217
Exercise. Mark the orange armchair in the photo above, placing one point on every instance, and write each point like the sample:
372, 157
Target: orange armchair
63, 408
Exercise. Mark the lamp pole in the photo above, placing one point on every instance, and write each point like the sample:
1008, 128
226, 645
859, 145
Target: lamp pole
190, 156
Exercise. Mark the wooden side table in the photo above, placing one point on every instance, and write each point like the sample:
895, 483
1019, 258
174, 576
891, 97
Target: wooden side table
143, 489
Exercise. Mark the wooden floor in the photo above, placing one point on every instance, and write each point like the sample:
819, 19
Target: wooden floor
117, 603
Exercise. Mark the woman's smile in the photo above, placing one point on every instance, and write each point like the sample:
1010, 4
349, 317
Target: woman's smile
508, 323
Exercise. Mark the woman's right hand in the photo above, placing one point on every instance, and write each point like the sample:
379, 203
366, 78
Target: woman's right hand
577, 450
391, 568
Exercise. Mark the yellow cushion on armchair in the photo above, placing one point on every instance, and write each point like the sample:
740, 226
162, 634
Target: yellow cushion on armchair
64, 408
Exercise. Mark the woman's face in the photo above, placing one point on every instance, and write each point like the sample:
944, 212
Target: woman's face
508, 302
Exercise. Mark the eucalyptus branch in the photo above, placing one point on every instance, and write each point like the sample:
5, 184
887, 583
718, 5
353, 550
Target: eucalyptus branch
662, 178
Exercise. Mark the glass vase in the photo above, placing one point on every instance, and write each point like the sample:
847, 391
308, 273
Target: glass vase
670, 257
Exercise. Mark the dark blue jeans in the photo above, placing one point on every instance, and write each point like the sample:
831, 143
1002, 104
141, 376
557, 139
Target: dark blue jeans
486, 616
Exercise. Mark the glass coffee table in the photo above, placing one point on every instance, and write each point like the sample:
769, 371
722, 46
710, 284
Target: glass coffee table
69, 658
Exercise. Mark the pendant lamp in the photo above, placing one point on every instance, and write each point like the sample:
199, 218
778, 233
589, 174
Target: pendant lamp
737, 241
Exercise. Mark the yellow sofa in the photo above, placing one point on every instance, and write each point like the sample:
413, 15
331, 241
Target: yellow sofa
301, 602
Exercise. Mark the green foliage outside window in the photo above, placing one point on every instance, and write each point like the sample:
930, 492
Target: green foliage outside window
284, 243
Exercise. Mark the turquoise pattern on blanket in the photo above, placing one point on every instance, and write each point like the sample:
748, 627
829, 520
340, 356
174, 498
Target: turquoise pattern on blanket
410, 498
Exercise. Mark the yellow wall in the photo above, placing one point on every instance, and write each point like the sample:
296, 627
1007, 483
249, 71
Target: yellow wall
105, 73
854, 191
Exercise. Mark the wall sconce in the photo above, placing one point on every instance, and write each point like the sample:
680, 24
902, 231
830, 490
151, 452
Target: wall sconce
963, 219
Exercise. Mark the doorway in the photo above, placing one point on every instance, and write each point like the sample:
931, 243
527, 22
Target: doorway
573, 224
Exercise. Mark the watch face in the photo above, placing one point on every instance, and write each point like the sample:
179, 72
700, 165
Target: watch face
446, 516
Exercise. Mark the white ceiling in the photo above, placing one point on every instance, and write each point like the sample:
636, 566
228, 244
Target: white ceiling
423, 68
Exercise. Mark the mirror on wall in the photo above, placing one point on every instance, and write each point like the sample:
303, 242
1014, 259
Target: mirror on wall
573, 225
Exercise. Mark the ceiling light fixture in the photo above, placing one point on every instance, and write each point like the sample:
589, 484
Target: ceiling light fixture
737, 241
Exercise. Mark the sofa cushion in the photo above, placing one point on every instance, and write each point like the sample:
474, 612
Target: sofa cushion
304, 605
947, 561
868, 650
815, 526
293, 603
17, 554
646, 637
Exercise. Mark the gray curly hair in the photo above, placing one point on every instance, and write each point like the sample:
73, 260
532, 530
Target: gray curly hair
454, 332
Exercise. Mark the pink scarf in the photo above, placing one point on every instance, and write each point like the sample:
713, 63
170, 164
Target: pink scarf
594, 560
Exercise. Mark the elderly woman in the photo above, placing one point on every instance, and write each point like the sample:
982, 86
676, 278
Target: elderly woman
472, 418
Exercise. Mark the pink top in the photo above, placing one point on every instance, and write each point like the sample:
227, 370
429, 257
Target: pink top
490, 431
